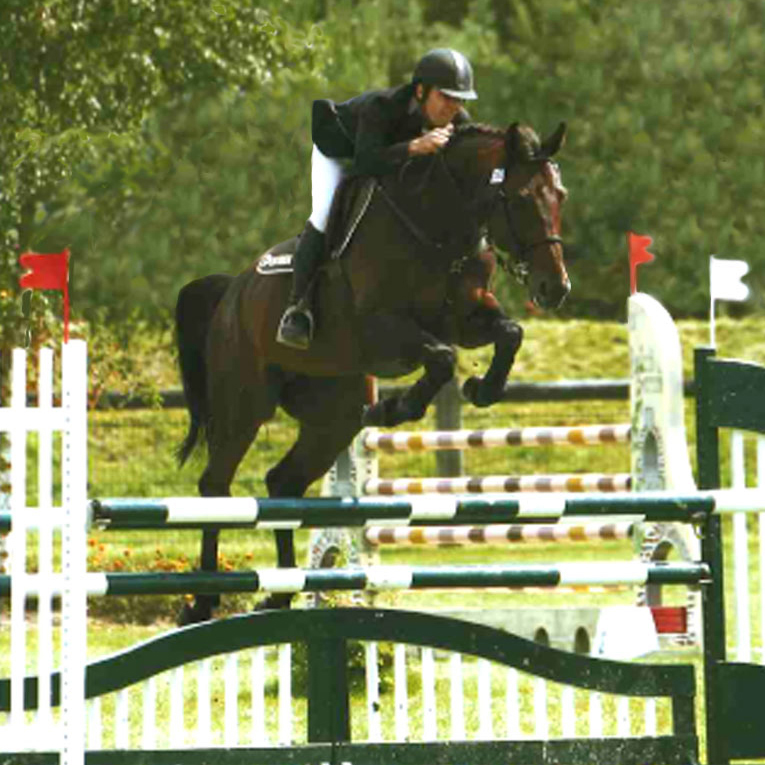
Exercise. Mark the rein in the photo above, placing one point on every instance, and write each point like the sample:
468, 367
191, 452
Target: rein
419, 234
520, 268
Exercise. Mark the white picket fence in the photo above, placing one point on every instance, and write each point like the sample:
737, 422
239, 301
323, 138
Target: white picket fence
60, 533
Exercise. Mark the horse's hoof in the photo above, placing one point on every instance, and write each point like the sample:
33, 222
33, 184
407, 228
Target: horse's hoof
193, 613
476, 393
274, 602
470, 390
379, 415
370, 416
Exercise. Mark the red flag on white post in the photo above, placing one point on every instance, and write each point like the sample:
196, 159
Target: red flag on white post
48, 272
638, 248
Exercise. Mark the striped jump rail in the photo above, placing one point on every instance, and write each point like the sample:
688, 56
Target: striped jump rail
572, 482
424, 510
498, 534
374, 578
580, 435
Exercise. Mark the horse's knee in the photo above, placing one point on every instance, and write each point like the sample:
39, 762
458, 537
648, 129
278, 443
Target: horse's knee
512, 334
442, 364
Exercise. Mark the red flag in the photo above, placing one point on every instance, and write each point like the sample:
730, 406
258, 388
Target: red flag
48, 272
638, 246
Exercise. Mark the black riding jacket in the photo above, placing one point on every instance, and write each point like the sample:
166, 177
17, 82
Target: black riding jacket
374, 129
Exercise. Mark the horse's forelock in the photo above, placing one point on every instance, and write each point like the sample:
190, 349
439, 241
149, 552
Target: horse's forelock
522, 144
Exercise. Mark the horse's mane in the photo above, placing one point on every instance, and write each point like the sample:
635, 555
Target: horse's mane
525, 142
467, 129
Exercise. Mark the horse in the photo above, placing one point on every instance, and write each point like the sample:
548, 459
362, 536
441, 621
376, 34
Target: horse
409, 281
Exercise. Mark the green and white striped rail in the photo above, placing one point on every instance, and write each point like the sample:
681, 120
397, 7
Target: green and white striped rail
425, 510
377, 578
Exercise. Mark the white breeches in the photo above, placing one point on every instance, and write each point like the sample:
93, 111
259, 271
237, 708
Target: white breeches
326, 174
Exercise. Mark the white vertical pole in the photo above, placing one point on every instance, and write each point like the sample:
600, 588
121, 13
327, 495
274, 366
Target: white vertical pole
177, 725
74, 468
740, 553
568, 711
122, 720
5, 478
429, 730
45, 539
18, 542
373, 692
650, 717
485, 727
149, 726
257, 696
457, 697
285, 693
231, 701
623, 716
95, 724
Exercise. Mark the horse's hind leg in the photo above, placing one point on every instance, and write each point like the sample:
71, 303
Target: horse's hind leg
329, 413
224, 458
507, 336
238, 407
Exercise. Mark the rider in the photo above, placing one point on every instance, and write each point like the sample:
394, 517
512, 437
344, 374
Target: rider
380, 130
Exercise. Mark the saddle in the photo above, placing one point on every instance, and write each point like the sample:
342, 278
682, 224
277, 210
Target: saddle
351, 201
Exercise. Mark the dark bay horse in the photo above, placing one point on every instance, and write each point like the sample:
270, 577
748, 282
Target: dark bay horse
412, 283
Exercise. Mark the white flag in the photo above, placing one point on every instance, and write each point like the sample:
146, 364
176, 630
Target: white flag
725, 279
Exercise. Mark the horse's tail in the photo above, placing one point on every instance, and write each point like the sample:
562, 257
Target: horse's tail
194, 310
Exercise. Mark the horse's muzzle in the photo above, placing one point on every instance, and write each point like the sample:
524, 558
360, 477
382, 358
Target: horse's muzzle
550, 294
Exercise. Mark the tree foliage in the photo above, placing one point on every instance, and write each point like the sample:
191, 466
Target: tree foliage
79, 79
166, 140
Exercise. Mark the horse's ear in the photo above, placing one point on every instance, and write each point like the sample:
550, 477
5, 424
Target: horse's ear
552, 143
512, 136
518, 145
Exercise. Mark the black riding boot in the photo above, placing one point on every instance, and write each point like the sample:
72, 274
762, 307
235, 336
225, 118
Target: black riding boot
296, 326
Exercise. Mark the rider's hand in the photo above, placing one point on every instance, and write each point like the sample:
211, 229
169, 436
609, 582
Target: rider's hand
432, 141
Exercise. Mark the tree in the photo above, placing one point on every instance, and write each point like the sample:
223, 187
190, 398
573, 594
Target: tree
79, 77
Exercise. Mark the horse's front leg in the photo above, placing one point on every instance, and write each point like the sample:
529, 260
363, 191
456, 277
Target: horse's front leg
396, 346
507, 337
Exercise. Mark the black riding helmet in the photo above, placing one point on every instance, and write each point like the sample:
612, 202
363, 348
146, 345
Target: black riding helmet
449, 71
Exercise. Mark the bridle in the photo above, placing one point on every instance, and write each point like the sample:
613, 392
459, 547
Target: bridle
521, 267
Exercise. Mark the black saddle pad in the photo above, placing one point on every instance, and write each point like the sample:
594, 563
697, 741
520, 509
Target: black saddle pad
278, 260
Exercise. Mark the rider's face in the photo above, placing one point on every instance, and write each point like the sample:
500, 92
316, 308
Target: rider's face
439, 109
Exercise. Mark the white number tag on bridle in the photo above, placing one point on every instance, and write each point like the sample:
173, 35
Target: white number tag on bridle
497, 175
